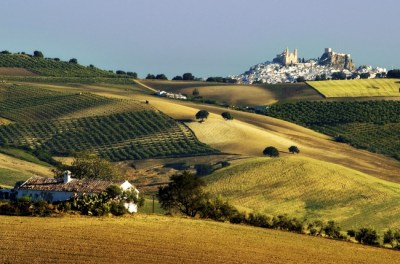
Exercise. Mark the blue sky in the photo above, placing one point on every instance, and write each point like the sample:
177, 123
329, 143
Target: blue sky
206, 38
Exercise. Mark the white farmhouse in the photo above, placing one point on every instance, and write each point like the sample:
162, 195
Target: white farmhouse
62, 189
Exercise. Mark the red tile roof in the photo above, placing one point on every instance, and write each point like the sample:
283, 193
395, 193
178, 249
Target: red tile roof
75, 185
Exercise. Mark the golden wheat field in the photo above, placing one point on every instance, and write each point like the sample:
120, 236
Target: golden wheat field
161, 239
308, 188
358, 88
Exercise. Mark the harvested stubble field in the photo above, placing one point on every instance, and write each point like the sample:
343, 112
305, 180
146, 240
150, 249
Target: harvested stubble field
357, 88
160, 239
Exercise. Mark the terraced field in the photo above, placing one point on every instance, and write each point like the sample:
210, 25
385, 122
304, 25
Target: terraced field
309, 189
160, 239
357, 88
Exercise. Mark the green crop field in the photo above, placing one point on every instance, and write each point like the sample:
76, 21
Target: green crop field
371, 125
309, 189
357, 88
161, 239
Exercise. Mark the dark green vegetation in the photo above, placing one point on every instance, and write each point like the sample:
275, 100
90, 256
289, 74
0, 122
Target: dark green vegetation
371, 125
202, 114
45, 124
271, 151
51, 67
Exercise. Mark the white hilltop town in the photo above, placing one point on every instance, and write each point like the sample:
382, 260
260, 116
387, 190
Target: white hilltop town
287, 67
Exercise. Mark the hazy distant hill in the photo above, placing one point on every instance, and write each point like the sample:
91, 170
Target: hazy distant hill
50, 67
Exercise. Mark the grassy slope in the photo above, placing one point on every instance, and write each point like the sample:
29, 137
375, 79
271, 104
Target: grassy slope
160, 239
14, 169
308, 188
243, 95
357, 88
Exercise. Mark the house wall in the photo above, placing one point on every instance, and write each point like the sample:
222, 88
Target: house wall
131, 207
49, 196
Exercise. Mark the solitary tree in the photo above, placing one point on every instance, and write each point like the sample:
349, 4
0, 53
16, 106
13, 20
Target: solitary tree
161, 77
177, 78
38, 54
294, 149
271, 151
150, 76
187, 76
183, 193
89, 166
202, 114
227, 115
73, 61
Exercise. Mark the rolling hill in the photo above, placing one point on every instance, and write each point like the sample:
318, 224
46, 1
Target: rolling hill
13, 63
309, 189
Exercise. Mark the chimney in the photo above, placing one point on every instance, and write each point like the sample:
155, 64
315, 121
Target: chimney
67, 176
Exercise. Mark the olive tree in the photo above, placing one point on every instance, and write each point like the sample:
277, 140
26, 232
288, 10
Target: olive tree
271, 151
202, 114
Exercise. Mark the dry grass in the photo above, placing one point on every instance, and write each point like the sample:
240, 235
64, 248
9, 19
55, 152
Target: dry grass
160, 239
234, 94
15, 72
10, 163
358, 88
311, 189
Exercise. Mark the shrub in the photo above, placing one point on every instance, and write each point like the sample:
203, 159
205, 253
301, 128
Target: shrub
332, 230
238, 218
227, 115
217, 210
367, 236
259, 220
118, 208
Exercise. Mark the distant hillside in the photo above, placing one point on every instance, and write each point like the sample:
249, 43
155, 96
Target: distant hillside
47, 67
239, 94
308, 188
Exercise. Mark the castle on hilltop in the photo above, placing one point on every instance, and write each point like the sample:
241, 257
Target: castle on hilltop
286, 58
337, 60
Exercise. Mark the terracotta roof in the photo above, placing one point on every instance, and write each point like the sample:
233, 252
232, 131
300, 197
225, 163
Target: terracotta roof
75, 185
